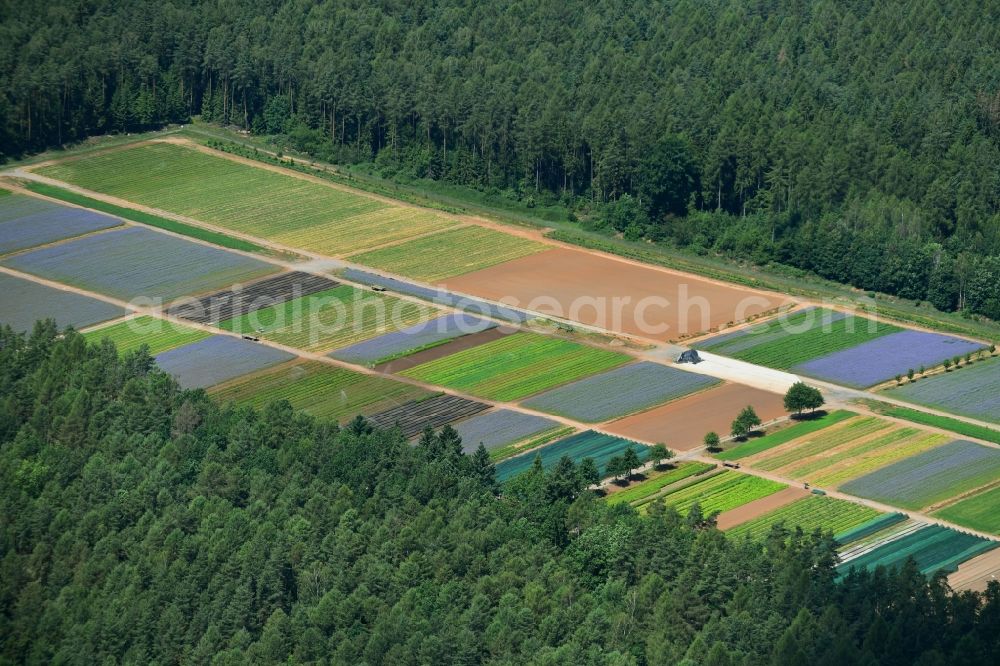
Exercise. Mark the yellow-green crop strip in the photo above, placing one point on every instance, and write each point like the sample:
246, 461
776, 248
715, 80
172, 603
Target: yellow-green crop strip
322, 390
264, 203
450, 253
159, 335
516, 366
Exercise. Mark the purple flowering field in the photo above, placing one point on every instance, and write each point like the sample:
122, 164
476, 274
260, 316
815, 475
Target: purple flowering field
439, 329
974, 390
630, 388
26, 222
883, 358
217, 359
22, 302
135, 261
500, 428
929, 477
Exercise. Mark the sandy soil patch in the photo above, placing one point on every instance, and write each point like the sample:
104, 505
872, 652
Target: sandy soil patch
757, 508
977, 572
682, 424
446, 349
615, 295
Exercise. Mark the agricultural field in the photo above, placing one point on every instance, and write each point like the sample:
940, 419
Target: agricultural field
449, 253
882, 359
414, 338
25, 302
501, 428
516, 366
319, 389
280, 207
159, 335
585, 287
809, 513
588, 444
963, 428
414, 416
980, 511
135, 261
244, 299
932, 547
621, 391
142, 217
682, 424
838, 454
795, 431
439, 296
973, 391
931, 477
646, 491
26, 222
217, 359
722, 492
330, 319
789, 340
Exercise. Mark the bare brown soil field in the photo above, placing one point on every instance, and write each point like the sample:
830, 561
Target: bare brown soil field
446, 349
977, 572
616, 295
682, 424
757, 508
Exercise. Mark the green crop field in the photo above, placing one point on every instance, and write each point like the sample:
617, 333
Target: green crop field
809, 513
803, 336
330, 319
245, 198
516, 366
799, 429
980, 511
322, 390
723, 492
450, 253
158, 334
644, 491
936, 421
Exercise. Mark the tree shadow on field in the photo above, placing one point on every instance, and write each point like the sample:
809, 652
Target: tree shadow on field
809, 416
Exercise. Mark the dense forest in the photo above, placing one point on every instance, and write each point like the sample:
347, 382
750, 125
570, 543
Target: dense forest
145, 524
857, 140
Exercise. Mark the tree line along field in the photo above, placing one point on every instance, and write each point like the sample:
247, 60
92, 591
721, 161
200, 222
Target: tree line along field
598, 446
158, 335
972, 390
27, 222
330, 319
652, 486
318, 389
248, 199
137, 262
516, 366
